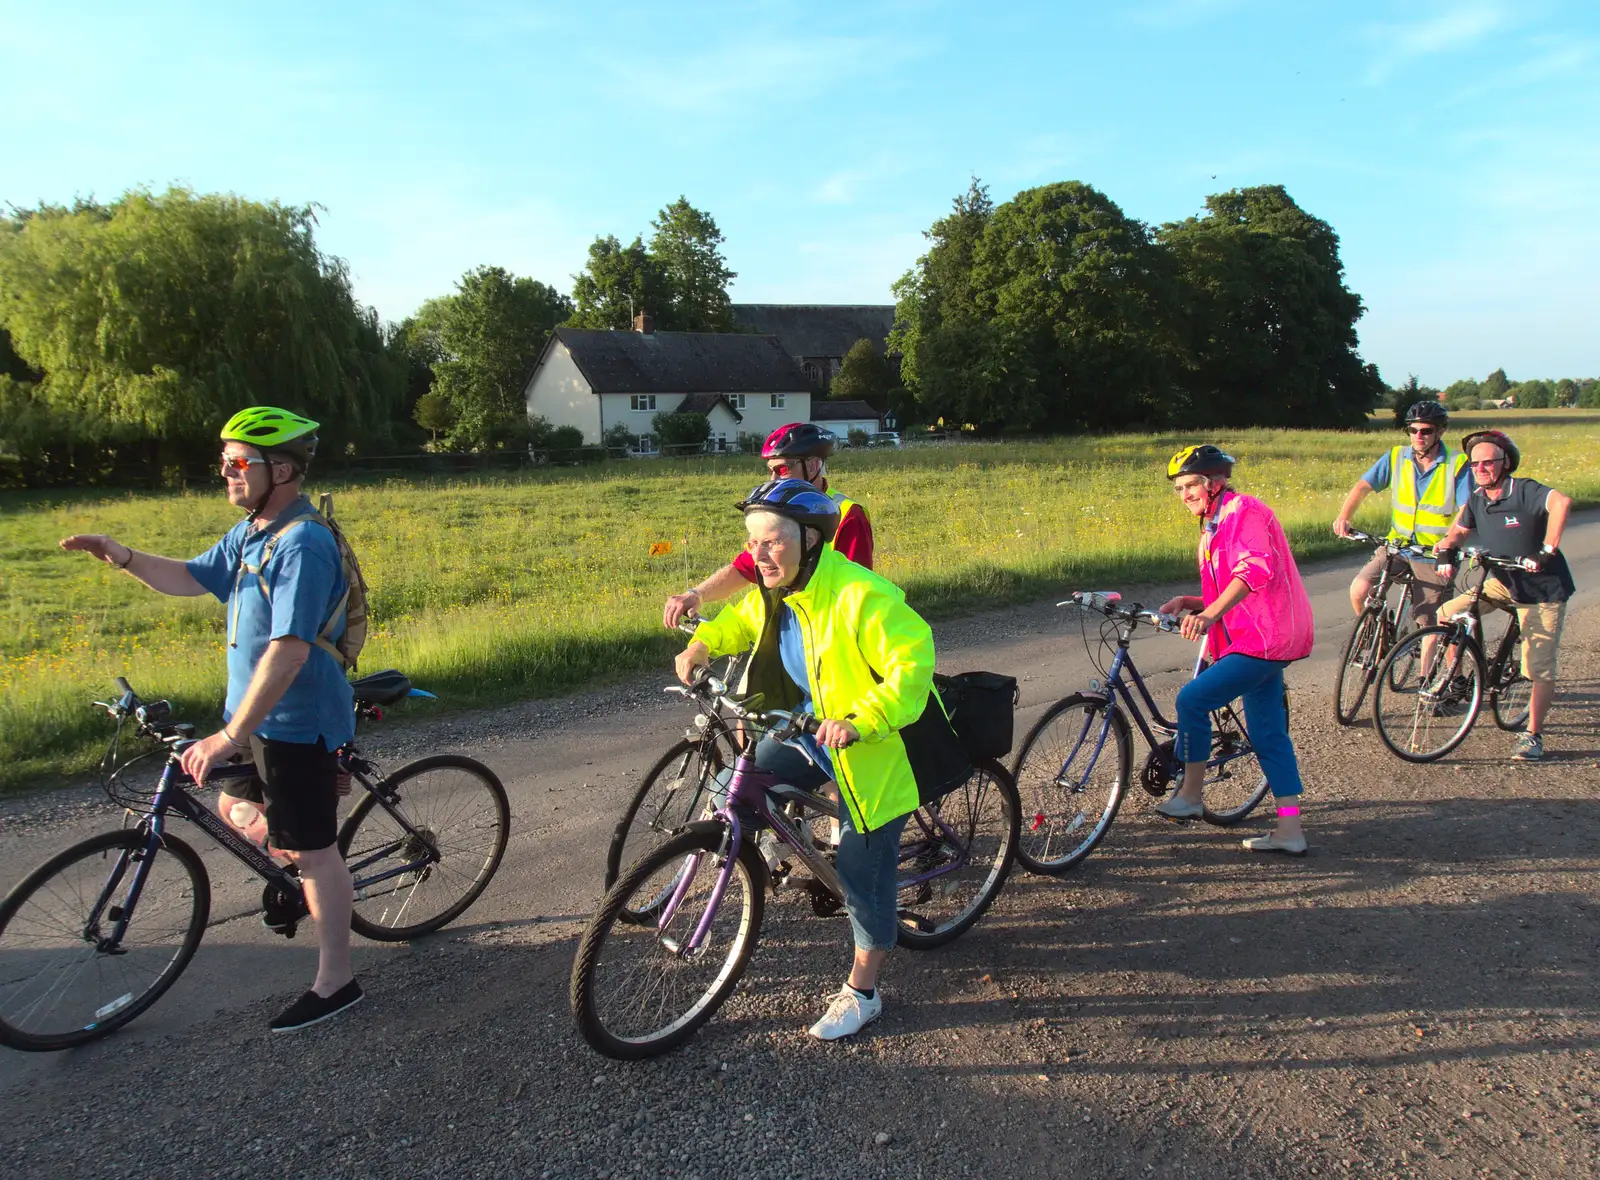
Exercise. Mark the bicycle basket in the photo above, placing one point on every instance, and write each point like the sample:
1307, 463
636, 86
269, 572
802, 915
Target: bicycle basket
982, 708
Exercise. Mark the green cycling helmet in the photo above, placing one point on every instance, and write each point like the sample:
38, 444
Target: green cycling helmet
268, 428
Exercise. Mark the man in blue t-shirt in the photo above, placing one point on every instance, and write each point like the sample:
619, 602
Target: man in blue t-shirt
289, 706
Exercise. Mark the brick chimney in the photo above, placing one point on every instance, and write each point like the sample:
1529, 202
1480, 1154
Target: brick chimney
643, 324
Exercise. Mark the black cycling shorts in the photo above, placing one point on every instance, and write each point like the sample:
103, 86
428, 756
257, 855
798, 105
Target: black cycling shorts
299, 795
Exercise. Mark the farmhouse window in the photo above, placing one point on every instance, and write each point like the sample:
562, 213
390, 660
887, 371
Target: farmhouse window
777, 401
644, 401
738, 401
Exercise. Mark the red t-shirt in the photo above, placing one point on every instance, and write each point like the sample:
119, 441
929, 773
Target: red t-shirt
853, 540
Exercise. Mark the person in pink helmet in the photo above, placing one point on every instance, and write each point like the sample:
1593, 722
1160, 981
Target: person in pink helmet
798, 450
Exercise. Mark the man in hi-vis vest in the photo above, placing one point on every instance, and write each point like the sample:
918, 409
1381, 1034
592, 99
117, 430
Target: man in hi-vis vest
1430, 483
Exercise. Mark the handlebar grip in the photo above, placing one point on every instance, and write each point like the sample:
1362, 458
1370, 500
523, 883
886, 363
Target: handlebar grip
123, 685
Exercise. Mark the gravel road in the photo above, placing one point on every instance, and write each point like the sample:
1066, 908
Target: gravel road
1416, 997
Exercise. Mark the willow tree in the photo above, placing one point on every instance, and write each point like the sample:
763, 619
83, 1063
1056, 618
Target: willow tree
158, 316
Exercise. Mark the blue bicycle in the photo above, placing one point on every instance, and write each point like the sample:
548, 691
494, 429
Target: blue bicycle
1076, 762
96, 934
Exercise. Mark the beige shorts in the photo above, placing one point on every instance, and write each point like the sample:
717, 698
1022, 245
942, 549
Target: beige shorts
1427, 590
1540, 623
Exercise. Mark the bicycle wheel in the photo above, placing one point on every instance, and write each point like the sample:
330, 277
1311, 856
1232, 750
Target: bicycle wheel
1357, 665
1071, 775
456, 808
637, 990
1513, 695
676, 791
955, 854
61, 986
1235, 783
1429, 715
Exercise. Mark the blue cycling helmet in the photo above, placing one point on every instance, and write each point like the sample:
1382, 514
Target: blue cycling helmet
799, 501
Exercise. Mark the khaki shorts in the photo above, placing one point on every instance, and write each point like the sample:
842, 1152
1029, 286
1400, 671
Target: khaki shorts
1540, 623
1427, 591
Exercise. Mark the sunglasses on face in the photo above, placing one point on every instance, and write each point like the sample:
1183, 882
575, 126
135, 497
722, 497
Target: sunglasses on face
1485, 463
1419, 431
239, 464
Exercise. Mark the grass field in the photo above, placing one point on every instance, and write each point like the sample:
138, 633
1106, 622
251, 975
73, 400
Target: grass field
487, 590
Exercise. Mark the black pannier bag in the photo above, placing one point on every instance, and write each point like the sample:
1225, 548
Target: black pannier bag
982, 708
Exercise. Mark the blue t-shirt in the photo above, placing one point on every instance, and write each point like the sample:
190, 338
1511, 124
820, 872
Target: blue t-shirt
1380, 473
792, 650
306, 580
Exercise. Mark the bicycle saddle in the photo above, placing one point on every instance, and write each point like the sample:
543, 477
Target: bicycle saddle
382, 688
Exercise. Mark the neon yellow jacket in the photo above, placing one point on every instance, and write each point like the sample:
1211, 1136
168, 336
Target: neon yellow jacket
870, 658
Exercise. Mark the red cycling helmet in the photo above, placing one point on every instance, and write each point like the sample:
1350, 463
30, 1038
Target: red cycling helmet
1500, 439
797, 440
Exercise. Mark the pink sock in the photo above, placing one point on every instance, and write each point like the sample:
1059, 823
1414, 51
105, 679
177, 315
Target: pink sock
1287, 811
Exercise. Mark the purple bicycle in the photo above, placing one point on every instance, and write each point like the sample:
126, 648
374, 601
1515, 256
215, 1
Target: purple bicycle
675, 933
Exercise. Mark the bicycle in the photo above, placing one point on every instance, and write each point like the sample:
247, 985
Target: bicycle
1422, 717
422, 844
1064, 774
1379, 627
680, 786
672, 938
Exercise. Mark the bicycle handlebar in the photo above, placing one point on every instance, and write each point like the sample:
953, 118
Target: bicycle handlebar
1105, 601
1409, 552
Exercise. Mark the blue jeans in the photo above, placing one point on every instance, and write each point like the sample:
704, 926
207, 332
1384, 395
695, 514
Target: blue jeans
868, 864
1258, 684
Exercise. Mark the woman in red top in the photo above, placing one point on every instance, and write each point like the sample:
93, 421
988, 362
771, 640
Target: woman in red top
798, 450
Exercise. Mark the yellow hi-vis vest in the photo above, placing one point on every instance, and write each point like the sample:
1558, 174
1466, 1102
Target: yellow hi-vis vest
1423, 514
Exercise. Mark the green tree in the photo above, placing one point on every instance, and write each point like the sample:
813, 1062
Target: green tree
680, 431
1407, 394
687, 247
1053, 316
862, 374
1566, 392
681, 278
158, 316
1589, 393
435, 414
1495, 385
489, 335
1532, 395
1269, 334
616, 284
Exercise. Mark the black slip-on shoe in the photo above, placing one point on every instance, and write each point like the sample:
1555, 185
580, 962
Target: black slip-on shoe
311, 1008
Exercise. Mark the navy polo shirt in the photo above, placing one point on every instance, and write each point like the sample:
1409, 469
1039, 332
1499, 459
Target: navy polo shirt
1514, 526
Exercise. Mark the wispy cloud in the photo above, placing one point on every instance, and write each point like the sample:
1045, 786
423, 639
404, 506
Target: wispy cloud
1451, 28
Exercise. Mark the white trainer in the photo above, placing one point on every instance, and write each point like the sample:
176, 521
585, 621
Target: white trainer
848, 1014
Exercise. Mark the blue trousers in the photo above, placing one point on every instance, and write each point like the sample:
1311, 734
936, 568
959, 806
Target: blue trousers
868, 863
1258, 684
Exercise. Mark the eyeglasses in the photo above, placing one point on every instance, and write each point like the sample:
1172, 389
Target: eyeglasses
1188, 485
1484, 462
1421, 430
238, 464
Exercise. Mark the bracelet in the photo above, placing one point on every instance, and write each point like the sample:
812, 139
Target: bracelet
124, 565
236, 745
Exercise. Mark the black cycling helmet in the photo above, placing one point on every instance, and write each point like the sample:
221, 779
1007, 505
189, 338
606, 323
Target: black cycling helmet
1500, 439
1201, 459
1428, 411
797, 500
797, 440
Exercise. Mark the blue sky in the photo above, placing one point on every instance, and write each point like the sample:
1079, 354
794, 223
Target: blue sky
1455, 146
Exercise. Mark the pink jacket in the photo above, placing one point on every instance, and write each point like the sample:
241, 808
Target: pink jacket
1245, 540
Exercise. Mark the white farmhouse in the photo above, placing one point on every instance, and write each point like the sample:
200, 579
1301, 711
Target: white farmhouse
596, 380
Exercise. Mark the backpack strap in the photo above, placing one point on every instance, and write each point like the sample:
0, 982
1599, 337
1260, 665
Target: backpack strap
275, 534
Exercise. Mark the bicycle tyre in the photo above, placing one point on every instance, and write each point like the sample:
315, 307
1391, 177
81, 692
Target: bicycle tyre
91, 1020
1357, 665
966, 809
1512, 698
1224, 723
609, 934
1039, 786
474, 839
1414, 728
673, 770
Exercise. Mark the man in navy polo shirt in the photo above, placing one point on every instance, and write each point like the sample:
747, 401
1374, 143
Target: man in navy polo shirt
289, 705
1520, 519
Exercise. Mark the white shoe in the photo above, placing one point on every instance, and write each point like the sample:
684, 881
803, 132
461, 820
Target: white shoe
1178, 808
848, 1014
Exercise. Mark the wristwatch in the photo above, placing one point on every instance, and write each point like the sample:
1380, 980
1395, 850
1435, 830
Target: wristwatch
1547, 548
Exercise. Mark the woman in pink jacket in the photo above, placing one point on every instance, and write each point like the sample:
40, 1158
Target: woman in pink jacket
1255, 614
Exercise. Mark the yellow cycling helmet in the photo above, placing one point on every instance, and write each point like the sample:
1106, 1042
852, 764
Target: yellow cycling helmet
1200, 459
268, 428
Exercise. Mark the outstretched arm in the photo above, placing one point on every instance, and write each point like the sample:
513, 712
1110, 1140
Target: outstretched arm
725, 582
166, 574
